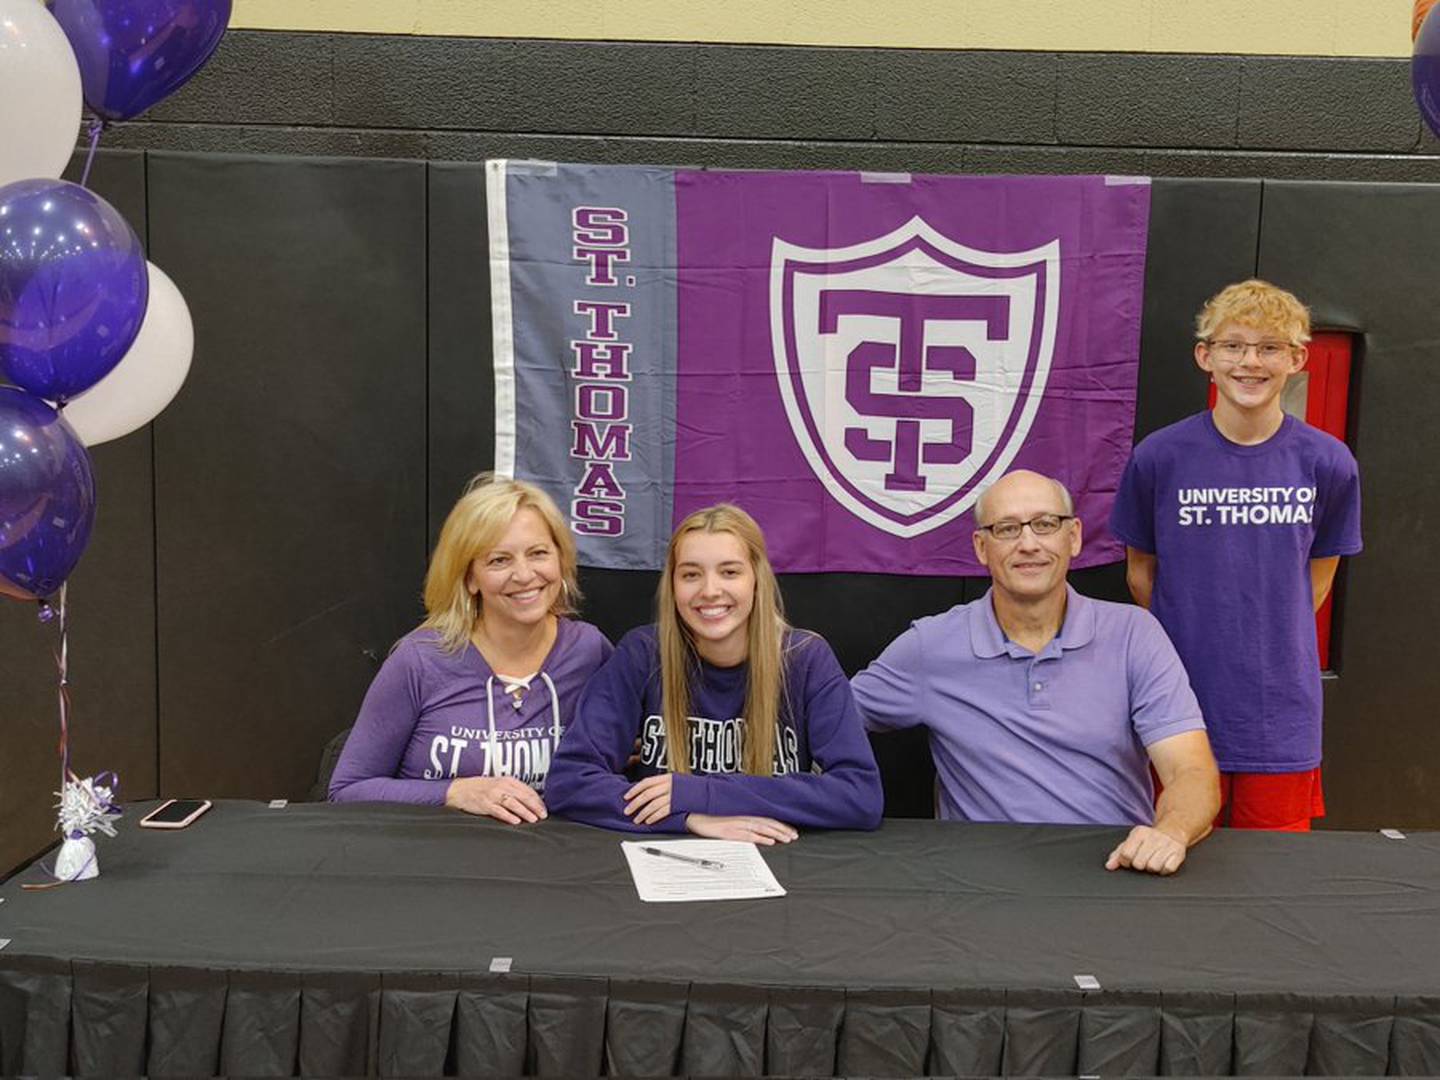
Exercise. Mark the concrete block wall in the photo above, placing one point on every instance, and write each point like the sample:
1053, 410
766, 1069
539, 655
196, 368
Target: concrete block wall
757, 106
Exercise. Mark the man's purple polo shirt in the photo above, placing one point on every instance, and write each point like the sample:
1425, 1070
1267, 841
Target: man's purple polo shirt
1056, 737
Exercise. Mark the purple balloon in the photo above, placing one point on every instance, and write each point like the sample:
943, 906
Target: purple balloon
1425, 69
73, 287
47, 497
132, 53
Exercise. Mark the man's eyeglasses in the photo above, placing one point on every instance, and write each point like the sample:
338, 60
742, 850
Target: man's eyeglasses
1234, 351
1040, 525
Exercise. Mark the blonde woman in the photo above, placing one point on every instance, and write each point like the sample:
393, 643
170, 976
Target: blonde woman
468, 709
746, 728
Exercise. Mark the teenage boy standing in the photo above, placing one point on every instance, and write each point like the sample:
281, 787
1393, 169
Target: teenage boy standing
1234, 523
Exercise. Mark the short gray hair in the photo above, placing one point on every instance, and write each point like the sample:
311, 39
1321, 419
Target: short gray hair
1067, 503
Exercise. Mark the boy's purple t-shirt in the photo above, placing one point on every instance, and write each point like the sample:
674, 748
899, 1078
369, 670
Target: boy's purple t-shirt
426, 718
1234, 529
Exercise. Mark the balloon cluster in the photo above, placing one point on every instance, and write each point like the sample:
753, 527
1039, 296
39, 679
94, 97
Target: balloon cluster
95, 339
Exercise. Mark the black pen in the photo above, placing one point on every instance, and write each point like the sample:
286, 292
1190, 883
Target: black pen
708, 864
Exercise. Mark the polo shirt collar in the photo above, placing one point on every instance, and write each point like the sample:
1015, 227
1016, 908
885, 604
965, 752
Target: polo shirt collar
988, 640
1079, 628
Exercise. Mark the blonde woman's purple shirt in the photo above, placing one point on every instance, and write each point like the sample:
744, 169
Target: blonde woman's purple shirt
431, 716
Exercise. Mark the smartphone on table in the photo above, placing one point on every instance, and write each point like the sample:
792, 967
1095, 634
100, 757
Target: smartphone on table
174, 813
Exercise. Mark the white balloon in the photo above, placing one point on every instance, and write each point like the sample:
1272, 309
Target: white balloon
148, 376
39, 93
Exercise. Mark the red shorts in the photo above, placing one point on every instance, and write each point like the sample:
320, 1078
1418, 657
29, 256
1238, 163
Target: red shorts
1281, 801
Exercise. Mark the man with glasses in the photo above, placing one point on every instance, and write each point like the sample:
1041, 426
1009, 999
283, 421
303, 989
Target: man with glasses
1044, 705
1234, 523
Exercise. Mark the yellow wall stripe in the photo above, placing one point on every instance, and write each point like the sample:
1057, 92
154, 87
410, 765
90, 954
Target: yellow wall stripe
1278, 27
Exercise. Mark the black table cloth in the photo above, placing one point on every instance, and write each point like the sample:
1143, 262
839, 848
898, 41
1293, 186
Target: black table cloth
347, 940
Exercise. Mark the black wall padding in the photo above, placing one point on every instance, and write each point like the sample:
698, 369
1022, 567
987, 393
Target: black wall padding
112, 615
1364, 257
1202, 237
461, 387
290, 475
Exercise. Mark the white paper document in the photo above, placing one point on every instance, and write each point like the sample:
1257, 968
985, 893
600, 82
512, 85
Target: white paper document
666, 871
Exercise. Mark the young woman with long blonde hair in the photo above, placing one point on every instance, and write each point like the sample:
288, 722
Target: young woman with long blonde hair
746, 728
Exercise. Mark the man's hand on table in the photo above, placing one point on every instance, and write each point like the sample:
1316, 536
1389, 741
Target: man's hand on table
502, 797
1148, 850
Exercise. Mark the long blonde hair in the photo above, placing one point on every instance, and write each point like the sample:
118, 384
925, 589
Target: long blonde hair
765, 636
475, 525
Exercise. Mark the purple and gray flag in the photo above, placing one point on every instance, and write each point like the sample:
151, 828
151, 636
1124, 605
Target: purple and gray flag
850, 357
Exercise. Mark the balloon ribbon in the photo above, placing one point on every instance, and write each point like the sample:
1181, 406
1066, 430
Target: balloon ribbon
85, 805
97, 125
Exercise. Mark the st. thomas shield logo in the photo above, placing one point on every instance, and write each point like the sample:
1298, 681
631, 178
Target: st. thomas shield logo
912, 366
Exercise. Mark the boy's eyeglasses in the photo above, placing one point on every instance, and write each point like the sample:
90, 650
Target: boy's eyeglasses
1042, 525
1236, 350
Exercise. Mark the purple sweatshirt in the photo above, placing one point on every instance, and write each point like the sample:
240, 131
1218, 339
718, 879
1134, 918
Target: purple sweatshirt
824, 773
431, 716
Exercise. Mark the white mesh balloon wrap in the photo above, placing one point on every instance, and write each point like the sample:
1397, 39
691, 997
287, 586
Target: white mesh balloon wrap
86, 806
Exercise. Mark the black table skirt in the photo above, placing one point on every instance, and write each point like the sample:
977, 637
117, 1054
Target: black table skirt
352, 940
